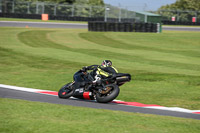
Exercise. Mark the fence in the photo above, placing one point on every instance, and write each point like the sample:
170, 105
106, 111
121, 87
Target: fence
51, 8
64, 10
103, 13
106, 13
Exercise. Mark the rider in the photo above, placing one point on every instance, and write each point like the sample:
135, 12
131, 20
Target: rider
105, 70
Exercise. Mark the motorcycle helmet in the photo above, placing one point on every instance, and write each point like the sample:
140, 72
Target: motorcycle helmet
106, 63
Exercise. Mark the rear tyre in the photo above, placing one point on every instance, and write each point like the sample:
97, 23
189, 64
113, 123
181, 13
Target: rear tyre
66, 91
108, 97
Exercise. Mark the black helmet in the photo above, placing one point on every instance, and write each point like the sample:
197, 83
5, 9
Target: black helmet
106, 63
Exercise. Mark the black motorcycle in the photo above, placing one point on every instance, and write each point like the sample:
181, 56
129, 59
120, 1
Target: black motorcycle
94, 88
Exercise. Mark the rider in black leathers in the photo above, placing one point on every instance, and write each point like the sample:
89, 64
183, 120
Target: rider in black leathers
105, 70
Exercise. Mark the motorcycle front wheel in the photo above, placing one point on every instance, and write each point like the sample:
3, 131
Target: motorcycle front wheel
66, 91
109, 94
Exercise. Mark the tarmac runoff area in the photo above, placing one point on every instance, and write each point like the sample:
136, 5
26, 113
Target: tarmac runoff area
77, 25
30, 94
42, 25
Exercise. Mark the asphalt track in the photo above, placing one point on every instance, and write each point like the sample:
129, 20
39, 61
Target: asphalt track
42, 25
76, 25
180, 28
30, 96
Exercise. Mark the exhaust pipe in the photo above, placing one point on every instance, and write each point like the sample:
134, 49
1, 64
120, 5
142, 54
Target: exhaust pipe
123, 78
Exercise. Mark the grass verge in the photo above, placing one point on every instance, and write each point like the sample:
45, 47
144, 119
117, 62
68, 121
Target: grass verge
21, 116
165, 67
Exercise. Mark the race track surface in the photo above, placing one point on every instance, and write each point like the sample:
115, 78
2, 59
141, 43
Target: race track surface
42, 24
31, 96
180, 28
76, 25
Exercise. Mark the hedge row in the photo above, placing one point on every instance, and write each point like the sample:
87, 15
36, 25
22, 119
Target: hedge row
122, 27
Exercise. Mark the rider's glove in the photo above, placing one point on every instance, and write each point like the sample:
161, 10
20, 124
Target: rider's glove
114, 75
98, 82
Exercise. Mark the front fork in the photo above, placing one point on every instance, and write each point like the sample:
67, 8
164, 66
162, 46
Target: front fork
71, 85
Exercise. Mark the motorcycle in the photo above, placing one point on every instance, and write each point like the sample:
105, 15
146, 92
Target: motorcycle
94, 88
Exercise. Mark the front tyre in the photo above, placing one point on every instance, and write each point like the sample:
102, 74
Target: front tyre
66, 91
111, 92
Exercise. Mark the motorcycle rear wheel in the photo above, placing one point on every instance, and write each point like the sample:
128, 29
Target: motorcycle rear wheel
65, 92
110, 96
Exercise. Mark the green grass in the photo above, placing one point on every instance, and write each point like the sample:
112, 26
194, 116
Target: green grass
165, 67
38, 20
24, 117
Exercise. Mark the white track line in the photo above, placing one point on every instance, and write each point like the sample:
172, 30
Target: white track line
21, 88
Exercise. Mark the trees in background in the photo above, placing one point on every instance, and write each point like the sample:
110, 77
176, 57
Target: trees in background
193, 5
183, 10
89, 8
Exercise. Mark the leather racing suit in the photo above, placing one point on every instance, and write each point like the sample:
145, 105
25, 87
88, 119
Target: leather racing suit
97, 72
